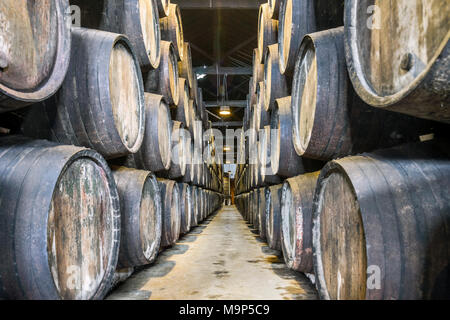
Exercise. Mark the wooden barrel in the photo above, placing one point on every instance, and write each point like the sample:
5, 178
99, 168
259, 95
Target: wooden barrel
178, 167
172, 30
194, 209
273, 216
330, 121
258, 71
401, 63
163, 7
189, 150
255, 209
185, 207
381, 225
185, 66
267, 31
300, 17
155, 154
275, 84
35, 51
101, 102
171, 213
59, 221
267, 176
284, 160
262, 213
164, 80
201, 205
182, 111
137, 19
296, 221
262, 113
140, 204
274, 8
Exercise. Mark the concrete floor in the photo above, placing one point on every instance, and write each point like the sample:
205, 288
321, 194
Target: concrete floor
222, 259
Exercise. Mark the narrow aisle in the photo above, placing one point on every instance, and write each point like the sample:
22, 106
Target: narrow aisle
220, 259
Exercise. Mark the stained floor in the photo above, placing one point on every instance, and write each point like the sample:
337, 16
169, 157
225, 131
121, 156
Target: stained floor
221, 259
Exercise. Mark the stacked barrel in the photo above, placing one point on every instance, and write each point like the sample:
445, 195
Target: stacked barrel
346, 165
98, 176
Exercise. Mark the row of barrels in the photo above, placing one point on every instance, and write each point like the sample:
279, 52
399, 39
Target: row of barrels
395, 62
127, 74
345, 188
371, 226
121, 174
68, 220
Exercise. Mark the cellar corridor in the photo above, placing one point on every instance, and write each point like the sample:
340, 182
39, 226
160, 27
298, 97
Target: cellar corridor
221, 259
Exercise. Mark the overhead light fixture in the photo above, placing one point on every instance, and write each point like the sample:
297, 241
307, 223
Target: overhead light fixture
225, 111
226, 149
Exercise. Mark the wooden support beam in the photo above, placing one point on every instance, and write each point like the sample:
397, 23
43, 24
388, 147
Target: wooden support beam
213, 70
233, 103
219, 4
227, 124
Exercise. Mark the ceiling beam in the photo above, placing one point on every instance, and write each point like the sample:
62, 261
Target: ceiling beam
213, 70
233, 103
219, 4
227, 124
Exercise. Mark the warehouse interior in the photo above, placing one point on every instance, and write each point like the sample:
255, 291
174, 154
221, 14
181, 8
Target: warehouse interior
224, 150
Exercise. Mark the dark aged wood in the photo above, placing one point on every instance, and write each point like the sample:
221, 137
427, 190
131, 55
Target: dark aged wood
34, 51
59, 221
137, 19
101, 102
273, 216
140, 204
172, 30
201, 205
275, 84
185, 66
300, 17
171, 213
274, 8
178, 167
189, 147
388, 210
261, 112
262, 213
296, 221
330, 121
258, 71
182, 112
195, 206
401, 64
164, 80
163, 7
267, 31
155, 154
284, 160
185, 207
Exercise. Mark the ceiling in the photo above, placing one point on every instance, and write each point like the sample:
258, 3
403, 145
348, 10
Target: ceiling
222, 34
